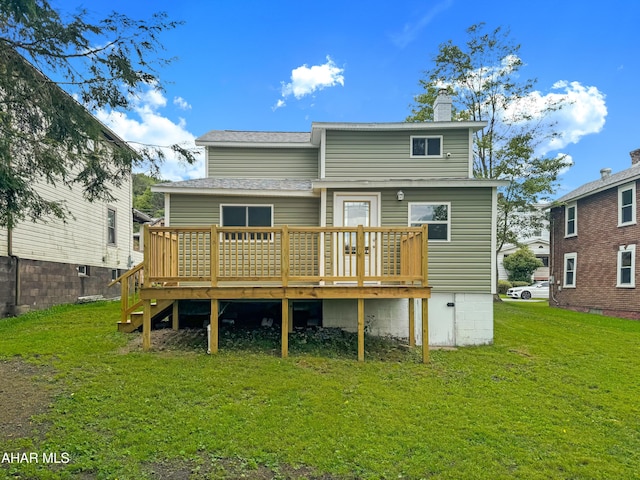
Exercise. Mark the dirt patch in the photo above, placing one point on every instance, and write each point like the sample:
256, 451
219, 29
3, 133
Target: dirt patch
25, 391
231, 469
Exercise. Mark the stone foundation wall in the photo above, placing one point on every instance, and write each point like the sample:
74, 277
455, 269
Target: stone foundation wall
44, 284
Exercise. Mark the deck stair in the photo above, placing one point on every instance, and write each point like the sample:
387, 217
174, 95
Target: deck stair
159, 310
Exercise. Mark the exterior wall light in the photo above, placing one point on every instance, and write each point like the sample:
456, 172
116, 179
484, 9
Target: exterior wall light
400, 195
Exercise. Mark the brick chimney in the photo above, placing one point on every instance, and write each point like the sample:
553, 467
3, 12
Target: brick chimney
442, 107
635, 156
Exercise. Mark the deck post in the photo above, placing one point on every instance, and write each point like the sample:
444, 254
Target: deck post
360, 255
146, 325
361, 329
175, 320
412, 322
285, 327
124, 299
425, 330
213, 324
424, 256
213, 256
284, 255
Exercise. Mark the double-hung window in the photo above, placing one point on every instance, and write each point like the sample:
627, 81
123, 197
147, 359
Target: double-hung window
570, 267
436, 215
111, 226
247, 216
627, 266
571, 220
627, 205
426, 146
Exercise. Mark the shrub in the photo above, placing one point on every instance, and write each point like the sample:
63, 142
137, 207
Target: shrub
503, 286
521, 284
521, 265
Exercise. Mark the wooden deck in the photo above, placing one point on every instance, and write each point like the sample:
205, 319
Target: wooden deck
281, 263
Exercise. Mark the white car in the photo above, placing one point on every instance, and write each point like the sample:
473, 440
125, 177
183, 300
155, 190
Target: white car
537, 290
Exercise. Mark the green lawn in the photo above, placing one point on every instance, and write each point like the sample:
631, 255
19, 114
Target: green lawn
556, 396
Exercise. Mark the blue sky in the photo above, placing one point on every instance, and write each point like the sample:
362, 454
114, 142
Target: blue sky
255, 65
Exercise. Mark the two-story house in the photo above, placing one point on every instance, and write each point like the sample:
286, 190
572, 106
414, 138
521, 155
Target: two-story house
51, 262
369, 174
594, 245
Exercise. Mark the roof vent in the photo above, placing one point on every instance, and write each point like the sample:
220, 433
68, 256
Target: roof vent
605, 173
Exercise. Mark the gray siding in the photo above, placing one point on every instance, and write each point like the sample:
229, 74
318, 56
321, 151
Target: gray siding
464, 263
387, 155
263, 162
188, 210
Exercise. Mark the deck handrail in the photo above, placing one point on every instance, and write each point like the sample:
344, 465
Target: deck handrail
286, 254
130, 283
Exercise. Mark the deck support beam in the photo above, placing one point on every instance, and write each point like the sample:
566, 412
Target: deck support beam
285, 327
213, 330
146, 325
361, 329
412, 322
425, 330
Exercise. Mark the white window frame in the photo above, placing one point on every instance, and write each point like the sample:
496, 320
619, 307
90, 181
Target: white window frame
621, 189
426, 155
115, 226
567, 256
569, 206
83, 270
437, 222
628, 249
270, 205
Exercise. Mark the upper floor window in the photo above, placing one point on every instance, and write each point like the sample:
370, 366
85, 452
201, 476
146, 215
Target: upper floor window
571, 220
247, 216
422, 146
627, 205
435, 215
111, 226
627, 266
570, 266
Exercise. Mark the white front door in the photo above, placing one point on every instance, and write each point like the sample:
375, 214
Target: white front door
351, 210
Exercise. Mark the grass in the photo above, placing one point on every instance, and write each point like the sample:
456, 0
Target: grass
556, 396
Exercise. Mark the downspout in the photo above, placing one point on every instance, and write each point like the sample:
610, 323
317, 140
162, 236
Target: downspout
552, 257
16, 261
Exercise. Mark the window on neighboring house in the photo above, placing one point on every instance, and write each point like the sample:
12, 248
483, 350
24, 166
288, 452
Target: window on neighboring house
627, 205
426, 146
627, 266
247, 216
544, 259
435, 215
571, 220
570, 263
111, 226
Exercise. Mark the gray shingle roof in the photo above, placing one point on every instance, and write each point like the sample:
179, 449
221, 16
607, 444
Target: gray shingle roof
629, 174
235, 136
242, 184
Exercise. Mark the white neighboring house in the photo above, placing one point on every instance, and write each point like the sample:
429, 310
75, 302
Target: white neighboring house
45, 264
539, 245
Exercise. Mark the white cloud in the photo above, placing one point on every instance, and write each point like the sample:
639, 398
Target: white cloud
181, 103
306, 80
411, 30
152, 128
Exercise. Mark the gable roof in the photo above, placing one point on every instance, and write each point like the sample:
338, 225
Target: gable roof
602, 184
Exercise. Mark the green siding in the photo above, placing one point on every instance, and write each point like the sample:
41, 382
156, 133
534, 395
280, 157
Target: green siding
188, 210
263, 162
352, 154
464, 263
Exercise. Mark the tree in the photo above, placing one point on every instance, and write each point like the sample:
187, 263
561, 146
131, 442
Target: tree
521, 265
144, 199
46, 63
483, 77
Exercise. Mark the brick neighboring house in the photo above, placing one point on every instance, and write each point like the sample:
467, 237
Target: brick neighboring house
594, 245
